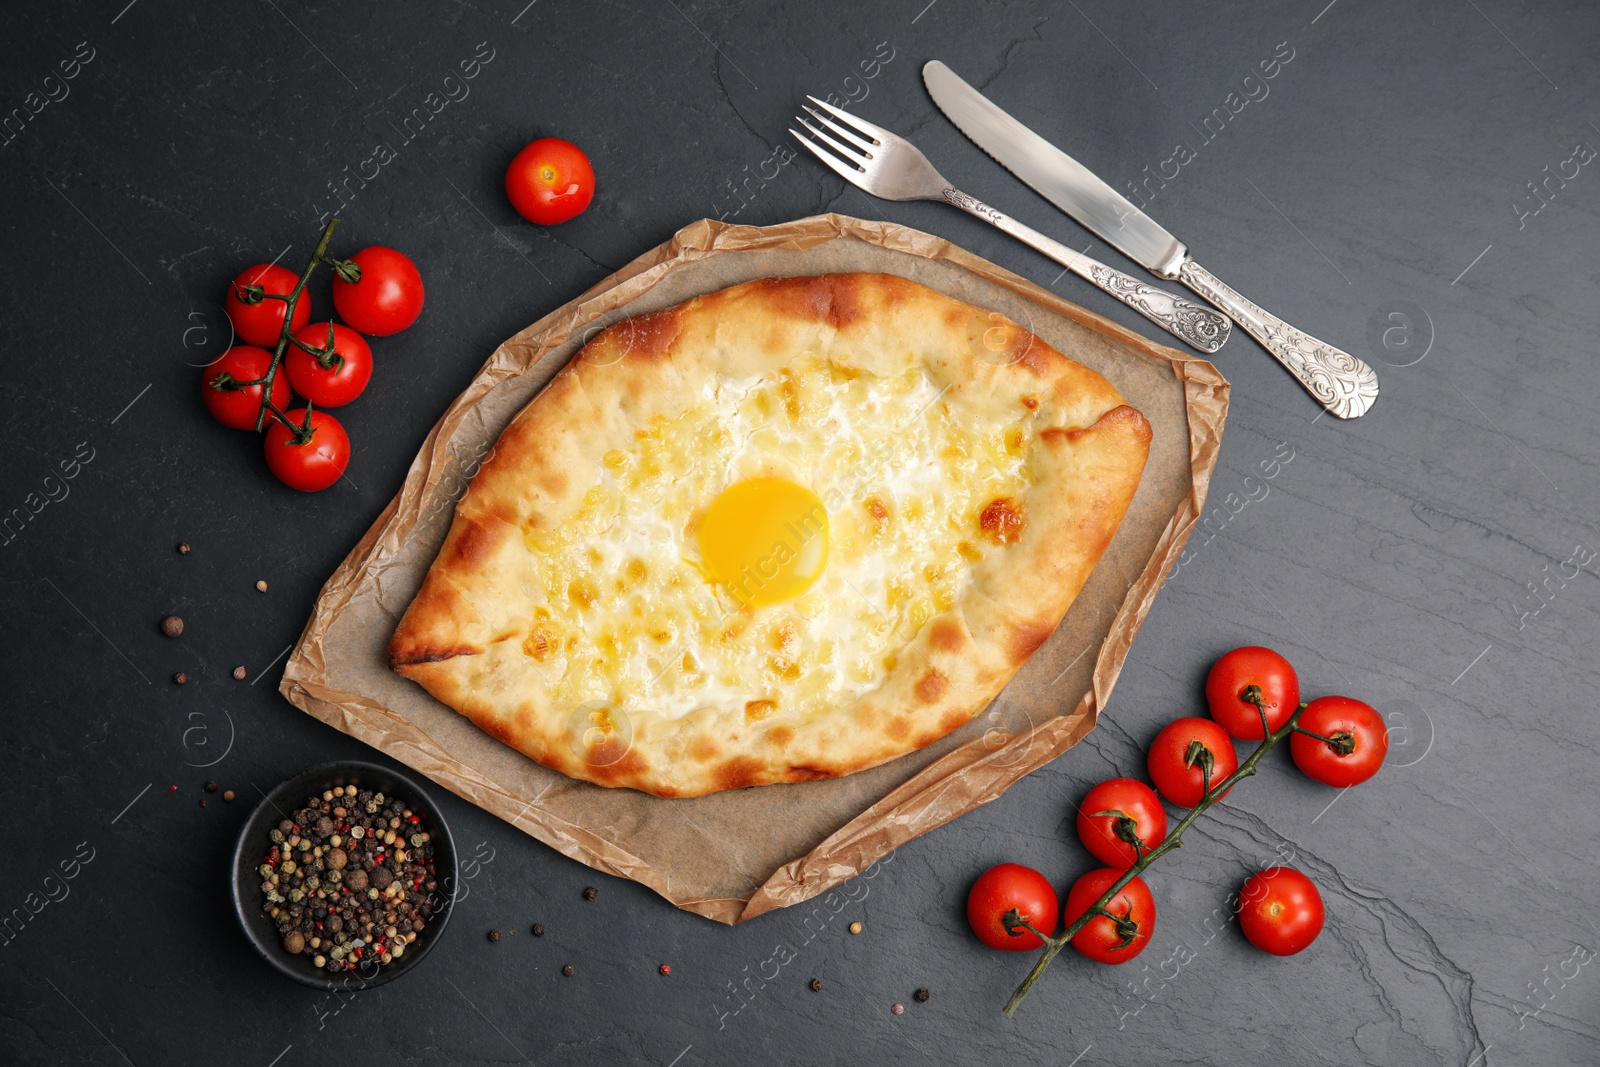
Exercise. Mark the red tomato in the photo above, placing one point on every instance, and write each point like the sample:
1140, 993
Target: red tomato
1111, 802
238, 407
1008, 887
262, 324
314, 465
550, 181
387, 299
329, 387
1106, 940
1360, 741
1280, 911
1176, 770
1260, 667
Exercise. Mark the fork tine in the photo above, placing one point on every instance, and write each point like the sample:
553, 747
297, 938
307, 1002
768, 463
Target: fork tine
878, 133
865, 146
849, 174
850, 155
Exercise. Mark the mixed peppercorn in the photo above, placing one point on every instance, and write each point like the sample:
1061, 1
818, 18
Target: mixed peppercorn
350, 879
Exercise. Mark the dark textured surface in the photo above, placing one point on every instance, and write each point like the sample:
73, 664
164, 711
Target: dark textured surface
1435, 558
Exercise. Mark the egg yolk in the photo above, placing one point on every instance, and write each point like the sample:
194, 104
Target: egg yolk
765, 540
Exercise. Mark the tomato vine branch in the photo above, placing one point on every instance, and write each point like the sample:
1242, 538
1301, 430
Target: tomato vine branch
255, 294
1213, 794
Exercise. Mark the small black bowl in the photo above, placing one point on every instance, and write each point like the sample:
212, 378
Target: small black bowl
255, 842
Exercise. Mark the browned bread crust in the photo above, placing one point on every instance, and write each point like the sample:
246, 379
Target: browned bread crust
469, 636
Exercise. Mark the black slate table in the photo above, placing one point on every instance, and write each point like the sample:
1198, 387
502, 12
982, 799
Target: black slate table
1415, 183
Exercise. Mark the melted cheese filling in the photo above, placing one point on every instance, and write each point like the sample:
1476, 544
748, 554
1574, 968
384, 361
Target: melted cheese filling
629, 614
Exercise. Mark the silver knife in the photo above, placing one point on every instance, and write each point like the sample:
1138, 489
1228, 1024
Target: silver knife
1342, 383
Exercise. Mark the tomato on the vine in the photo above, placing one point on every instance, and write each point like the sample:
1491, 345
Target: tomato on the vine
238, 407
1244, 667
1115, 810
1280, 911
1111, 940
261, 324
1011, 887
550, 181
386, 299
1357, 741
1178, 755
329, 387
317, 463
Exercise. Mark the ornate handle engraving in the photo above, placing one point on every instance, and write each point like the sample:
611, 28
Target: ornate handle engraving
1196, 324
973, 205
1341, 383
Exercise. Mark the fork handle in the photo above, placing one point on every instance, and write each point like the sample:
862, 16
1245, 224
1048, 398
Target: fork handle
1197, 325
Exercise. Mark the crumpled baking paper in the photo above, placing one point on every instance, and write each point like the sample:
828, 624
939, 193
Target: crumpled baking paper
735, 855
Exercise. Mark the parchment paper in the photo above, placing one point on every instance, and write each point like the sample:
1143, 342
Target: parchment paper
733, 856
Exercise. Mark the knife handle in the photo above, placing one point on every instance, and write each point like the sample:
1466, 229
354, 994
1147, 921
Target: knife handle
1195, 324
1342, 383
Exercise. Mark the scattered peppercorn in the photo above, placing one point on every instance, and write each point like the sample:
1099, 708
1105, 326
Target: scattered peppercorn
921, 996
172, 789
227, 794
183, 548
180, 678
238, 672
172, 626
898, 1009
212, 787
202, 802
816, 985
666, 970
567, 970
261, 586
494, 935
855, 928
538, 929
590, 892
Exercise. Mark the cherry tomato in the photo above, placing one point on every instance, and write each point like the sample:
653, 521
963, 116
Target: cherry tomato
1111, 802
314, 465
550, 181
387, 299
1177, 771
1280, 911
1260, 667
1360, 741
238, 407
1003, 888
261, 324
329, 387
1106, 940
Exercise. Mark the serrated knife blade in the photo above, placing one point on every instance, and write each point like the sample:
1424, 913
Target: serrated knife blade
1343, 384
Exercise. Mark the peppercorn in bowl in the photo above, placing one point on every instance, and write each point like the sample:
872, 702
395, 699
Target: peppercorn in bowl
344, 875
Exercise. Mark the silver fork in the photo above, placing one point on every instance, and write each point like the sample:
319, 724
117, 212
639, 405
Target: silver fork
889, 166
